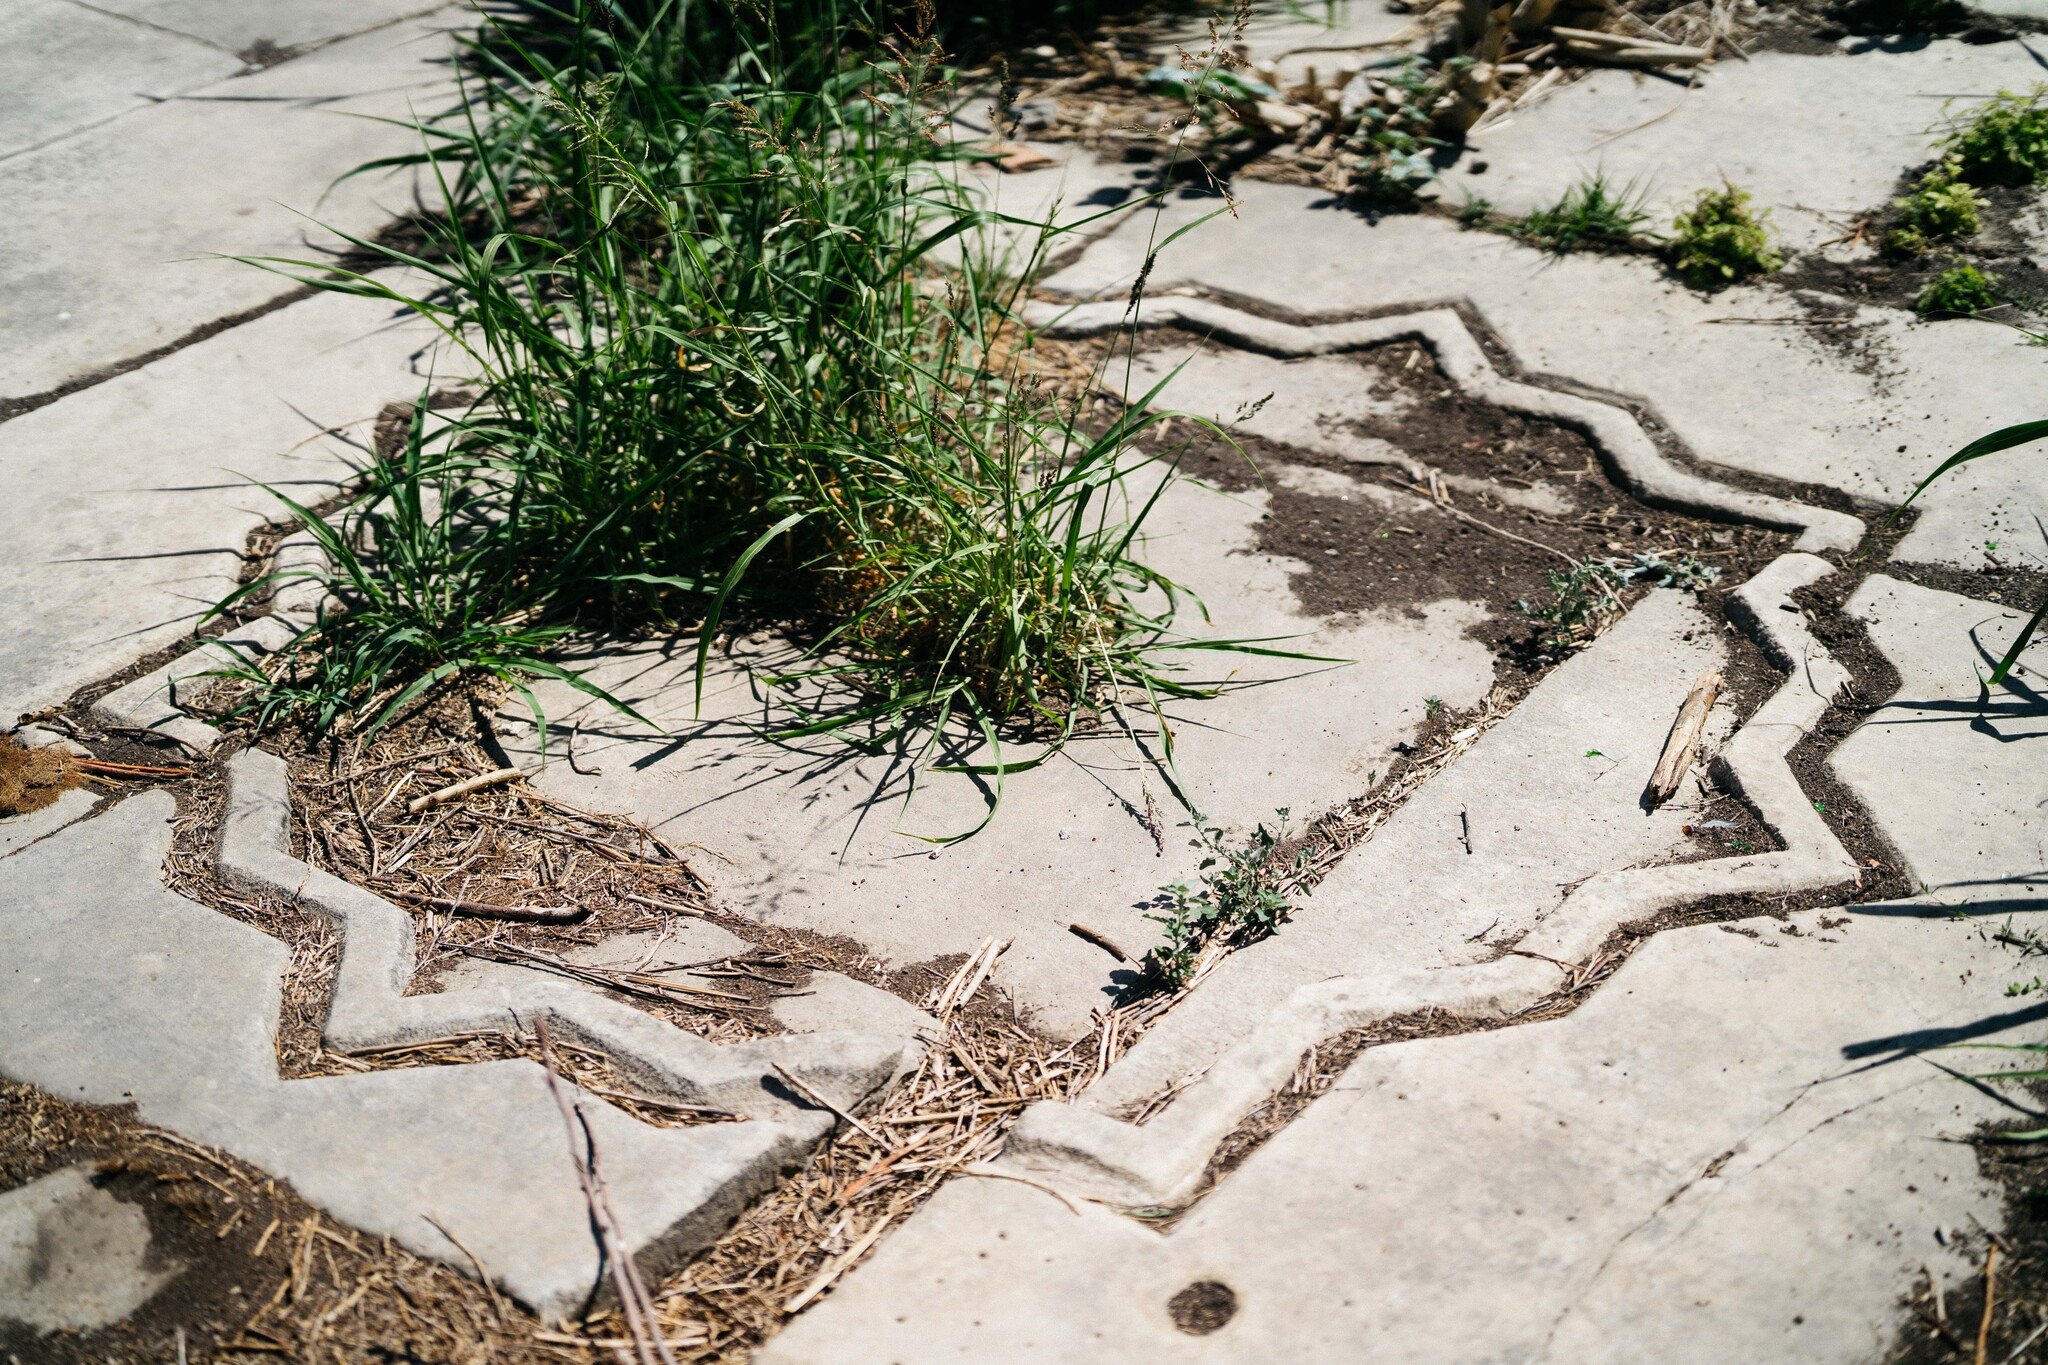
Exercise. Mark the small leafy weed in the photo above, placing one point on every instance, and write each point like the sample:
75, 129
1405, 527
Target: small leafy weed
1720, 240
1959, 290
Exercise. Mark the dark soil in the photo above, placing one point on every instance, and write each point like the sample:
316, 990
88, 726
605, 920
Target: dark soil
1815, 28
1362, 555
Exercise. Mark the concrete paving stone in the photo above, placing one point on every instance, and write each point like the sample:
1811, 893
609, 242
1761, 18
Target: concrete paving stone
1970, 829
240, 26
1841, 130
127, 506
47, 47
1869, 409
115, 231
163, 698
819, 836
834, 1000
114, 990
72, 1256
372, 1003
19, 831
1552, 797
1732, 1151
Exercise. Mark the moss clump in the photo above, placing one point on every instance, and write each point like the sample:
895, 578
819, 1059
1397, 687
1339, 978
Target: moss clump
1959, 289
1940, 209
2005, 142
1720, 240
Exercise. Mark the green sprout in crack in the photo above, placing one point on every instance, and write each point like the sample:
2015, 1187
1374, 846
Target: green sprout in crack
1432, 705
1236, 897
2004, 142
1940, 209
1959, 290
1592, 213
1719, 240
1585, 597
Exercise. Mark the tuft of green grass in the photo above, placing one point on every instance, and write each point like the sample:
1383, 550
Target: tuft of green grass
1719, 240
2004, 142
1941, 208
1960, 289
741, 340
1592, 213
1476, 211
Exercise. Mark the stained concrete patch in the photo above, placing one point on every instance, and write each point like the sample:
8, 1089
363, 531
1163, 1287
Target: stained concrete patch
1840, 131
231, 169
176, 1010
1731, 1152
46, 46
72, 1256
1868, 408
1549, 797
820, 836
131, 502
1950, 773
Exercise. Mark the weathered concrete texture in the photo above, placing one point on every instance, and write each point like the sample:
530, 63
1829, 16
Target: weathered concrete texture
19, 831
1730, 1152
48, 46
243, 26
819, 836
1842, 129
1869, 408
162, 698
1970, 829
1552, 796
128, 505
176, 1008
1631, 456
227, 169
72, 1256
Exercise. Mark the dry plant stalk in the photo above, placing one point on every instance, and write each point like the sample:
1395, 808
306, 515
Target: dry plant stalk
1683, 743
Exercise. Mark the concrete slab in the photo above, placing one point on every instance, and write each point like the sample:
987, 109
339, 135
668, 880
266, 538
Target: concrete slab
19, 831
1551, 797
128, 505
821, 837
1970, 830
72, 1256
1869, 409
227, 169
47, 47
1731, 1152
262, 29
175, 1010
1841, 131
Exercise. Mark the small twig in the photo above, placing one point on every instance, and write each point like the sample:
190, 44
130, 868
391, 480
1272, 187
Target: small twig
456, 791
539, 914
671, 906
1682, 745
1465, 828
823, 1103
497, 1304
987, 1173
1102, 941
1990, 1299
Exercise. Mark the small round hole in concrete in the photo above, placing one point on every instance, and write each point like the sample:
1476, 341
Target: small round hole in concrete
1203, 1307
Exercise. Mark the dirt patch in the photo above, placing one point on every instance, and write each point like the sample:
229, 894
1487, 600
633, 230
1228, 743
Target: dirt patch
1486, 505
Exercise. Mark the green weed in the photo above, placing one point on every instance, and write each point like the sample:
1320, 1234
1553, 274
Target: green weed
1940, 209
1592, 213
1585, 597
1960, 289
2004, 142
1719, 240
1237, 897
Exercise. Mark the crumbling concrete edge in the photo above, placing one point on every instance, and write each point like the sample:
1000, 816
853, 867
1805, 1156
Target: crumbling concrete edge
369, 1007
1632, 456
1090, 1154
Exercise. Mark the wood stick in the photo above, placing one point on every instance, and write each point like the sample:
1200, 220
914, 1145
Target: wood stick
456, 791
815, 1098
1100, 940
1682, 745
538, 914
1990, 1299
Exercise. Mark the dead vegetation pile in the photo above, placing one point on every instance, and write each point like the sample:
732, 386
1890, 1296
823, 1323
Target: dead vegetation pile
32, 778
